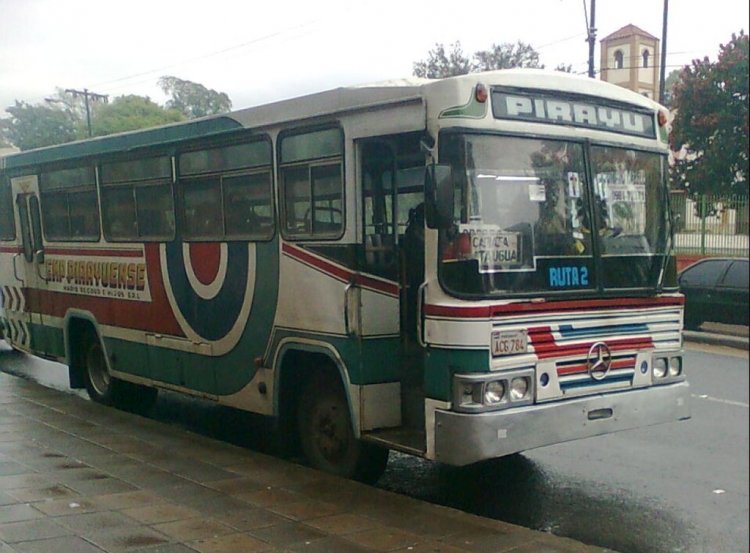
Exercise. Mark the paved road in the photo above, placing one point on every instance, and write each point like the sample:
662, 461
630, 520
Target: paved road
679, 487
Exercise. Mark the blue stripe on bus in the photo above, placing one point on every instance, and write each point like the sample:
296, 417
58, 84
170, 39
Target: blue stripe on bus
569, 331
211, 319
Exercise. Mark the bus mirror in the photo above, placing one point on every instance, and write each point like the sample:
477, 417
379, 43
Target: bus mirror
439, 196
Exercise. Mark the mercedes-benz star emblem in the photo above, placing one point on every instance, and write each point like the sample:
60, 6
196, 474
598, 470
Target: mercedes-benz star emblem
599, 360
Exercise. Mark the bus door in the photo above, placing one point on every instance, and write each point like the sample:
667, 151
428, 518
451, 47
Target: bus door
392, 173
29, 268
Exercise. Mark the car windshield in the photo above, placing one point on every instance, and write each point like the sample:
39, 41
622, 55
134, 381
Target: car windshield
526, 219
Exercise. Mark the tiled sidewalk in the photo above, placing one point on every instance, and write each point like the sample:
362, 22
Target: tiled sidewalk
76, 477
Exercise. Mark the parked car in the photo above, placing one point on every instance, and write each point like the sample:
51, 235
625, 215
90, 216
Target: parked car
716, 290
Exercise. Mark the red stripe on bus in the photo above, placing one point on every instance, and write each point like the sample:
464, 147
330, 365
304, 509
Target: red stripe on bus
546, 347
488, 311
10, 249
94, 252
340, 273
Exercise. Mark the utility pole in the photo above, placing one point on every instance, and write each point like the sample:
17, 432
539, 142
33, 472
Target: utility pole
663, 68
591, 28
86, 95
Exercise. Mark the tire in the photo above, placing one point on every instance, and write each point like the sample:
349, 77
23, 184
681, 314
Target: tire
99, 383
327, 437
103, 388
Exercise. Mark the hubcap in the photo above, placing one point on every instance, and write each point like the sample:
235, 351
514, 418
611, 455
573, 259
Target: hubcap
332, 432
97, 370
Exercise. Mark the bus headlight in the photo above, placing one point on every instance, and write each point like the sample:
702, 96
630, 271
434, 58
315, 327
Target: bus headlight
494, 392
667, 368
477, 392
519, 388
675, 366
660, 367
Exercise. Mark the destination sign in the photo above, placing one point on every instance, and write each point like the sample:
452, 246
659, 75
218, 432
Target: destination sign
593, 113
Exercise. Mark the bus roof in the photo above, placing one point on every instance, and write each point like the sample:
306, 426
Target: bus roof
321, 104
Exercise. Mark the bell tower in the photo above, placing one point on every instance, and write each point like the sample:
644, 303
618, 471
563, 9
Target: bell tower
630, 58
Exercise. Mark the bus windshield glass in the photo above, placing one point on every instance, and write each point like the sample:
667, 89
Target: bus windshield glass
527, 221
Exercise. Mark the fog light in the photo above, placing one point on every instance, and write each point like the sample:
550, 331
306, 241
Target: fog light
660, 367
519, 387
494, 392
675, 366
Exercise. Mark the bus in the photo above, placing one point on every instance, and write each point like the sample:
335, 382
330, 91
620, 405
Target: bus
459, 269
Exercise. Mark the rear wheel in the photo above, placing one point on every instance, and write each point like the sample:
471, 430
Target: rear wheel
103, 388
327, 436
99, 383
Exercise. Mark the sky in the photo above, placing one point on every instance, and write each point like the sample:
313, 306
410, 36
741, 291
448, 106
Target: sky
261, 51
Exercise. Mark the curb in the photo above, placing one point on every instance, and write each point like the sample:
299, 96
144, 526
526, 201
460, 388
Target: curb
738, 342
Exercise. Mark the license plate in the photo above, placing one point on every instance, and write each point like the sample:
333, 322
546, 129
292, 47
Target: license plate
509, 343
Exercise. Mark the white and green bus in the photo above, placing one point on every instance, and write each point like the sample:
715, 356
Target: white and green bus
459, 269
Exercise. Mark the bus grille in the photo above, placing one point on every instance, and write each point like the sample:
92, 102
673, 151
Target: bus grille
563, 341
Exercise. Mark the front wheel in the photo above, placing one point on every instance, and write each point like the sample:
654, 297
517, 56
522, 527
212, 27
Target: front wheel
327, 436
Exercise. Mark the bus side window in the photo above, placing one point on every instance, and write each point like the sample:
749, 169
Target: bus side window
70, 207
118, 213
225, 193
312, 184
201, 207
247, 206
137, 199
7, 219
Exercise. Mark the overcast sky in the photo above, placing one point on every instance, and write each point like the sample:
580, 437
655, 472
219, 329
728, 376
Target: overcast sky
263, 50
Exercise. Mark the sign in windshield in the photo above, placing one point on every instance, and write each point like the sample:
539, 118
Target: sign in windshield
578, 112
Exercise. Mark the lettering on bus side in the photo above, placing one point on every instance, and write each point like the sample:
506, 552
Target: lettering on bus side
593, 113
118, 279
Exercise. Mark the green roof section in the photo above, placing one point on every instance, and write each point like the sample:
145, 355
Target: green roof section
133, 140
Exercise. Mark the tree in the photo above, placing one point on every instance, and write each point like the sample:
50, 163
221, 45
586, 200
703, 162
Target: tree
439, 64
672, 79
128, 113
193, 99
35, 126
507, 55
711, 120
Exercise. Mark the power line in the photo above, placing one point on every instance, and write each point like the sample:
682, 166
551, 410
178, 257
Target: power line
208, 55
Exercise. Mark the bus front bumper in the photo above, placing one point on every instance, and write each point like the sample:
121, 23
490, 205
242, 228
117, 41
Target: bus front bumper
461, 438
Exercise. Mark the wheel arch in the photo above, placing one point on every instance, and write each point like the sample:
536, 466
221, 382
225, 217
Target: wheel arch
77, 324
296, 361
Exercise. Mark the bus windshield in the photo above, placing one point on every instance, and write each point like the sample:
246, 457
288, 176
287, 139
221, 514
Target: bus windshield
527, 220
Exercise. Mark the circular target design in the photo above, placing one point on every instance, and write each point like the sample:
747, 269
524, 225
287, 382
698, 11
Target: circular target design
210, 288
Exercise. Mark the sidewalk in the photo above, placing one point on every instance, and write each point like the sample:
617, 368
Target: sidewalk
718, 334
77, 477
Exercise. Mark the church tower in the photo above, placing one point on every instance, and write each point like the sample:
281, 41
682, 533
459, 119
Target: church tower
630, 58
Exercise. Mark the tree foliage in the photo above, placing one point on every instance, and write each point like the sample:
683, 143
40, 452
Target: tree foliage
711, 103
62, 117
441, 63
35, 126
506, 56
193, 99
129, 113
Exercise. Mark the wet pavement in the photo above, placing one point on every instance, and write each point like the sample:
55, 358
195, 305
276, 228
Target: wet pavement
77, 477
